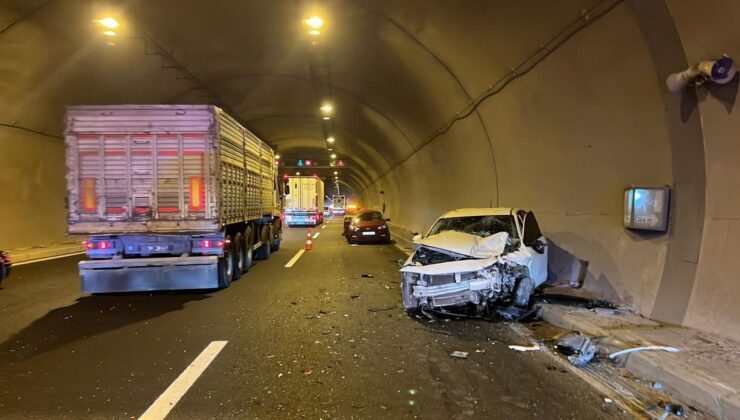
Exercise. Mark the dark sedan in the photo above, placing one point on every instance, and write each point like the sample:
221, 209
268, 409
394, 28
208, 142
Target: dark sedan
369, 226
4, 265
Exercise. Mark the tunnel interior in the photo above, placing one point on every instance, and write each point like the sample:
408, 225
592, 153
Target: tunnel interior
551, 106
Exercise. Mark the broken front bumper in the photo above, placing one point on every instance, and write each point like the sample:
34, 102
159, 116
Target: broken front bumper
149, 274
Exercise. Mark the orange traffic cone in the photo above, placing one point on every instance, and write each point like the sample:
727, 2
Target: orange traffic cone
309, 241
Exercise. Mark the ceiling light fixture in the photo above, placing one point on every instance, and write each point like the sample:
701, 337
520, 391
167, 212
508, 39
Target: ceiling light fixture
314, 32
109, 33
333, 156
330, 140
108, 22
314, 22
326, 108
327, 118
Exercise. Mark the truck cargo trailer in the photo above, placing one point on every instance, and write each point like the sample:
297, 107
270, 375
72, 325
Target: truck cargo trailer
172, 196
304, 201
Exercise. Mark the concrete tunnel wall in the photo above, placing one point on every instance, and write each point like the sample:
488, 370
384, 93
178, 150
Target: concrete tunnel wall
564, 139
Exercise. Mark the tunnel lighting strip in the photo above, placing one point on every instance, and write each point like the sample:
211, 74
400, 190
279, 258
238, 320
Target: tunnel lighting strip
172, 395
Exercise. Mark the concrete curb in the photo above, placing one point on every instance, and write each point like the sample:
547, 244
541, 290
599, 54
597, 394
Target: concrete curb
33, 254
692, 386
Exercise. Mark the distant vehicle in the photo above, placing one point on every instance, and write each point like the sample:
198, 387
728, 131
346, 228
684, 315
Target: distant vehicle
304, 198
173, 196
483, 258
328, 212
4, 265
338, 204
368, 226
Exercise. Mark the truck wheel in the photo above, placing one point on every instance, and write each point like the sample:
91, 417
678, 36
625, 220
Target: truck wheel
263, 252
276, 241
239, 257
248, 251
226, 264
524, 291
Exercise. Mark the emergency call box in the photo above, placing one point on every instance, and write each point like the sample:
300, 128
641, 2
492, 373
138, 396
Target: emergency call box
646, 208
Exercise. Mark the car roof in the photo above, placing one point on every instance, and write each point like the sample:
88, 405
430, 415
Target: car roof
484, 211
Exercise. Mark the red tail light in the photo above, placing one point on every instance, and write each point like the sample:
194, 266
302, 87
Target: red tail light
220, 244
104, 245
206, 244
89, 245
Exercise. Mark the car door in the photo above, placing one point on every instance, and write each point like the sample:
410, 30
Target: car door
536, 245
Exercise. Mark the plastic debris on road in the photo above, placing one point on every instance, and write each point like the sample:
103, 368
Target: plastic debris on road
535, 347
646, 348
459, 354
579, 349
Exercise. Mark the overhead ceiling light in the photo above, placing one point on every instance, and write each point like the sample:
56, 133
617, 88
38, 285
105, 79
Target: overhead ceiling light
297, 173
109, 33
333, 156
330, 140
314, 22
108, 22
326, 108
314, 32
326, 118
336, 172
277, 156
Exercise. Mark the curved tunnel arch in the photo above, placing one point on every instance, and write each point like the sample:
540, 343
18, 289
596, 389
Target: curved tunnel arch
569, 136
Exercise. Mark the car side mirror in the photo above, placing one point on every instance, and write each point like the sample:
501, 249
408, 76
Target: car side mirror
416, 238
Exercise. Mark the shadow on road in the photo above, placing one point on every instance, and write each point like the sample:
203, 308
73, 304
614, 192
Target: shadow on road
90, 316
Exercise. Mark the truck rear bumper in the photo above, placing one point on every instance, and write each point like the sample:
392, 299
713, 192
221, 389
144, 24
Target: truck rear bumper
149, 274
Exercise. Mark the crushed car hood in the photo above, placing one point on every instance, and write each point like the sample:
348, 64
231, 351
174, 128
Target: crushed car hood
467, 244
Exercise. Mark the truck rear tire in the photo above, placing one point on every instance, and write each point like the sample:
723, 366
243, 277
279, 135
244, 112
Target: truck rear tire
248, 251
226, 264
263, 252
275, 242
239, 256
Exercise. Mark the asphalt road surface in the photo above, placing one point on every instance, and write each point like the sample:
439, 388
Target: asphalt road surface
316, 340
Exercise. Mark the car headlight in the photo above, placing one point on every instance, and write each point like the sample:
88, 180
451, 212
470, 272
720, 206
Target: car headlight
382, 227
354, 228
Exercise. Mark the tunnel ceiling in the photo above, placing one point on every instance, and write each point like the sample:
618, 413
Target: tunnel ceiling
394, 71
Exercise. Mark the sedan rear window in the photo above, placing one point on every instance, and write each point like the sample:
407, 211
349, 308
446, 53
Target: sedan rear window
370, 216
476, 225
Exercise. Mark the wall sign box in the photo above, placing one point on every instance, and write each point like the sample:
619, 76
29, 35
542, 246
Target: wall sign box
646, 208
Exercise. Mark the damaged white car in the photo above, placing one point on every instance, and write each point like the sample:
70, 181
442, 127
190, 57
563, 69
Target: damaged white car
482, 258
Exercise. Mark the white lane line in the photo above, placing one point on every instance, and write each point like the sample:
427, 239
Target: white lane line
322, 227
316, 235
295, 258
47, 258
166, 402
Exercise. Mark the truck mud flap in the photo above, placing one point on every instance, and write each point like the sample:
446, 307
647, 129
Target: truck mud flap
149, 274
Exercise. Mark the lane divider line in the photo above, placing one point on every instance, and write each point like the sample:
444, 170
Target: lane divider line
171, 396
295, 258
316, 235
323, 227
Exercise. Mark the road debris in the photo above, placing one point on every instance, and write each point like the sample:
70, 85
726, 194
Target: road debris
307, 372
645, 348
608, 400
459, 354
367, 276
579, 349
535, 347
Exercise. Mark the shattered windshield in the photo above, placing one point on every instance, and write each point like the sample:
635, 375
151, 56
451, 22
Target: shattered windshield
476, 225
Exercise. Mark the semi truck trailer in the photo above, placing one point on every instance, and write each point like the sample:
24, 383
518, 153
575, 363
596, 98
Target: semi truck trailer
172, 197
339, 204
304, 201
